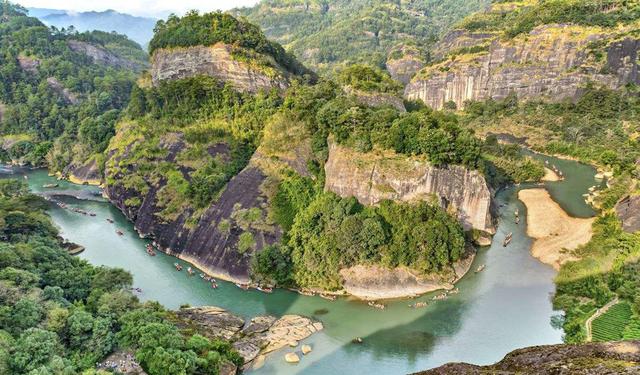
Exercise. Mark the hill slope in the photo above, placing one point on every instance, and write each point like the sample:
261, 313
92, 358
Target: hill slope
326, 35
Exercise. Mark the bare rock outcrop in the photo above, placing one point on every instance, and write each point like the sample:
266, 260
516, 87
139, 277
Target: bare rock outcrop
257, 337
552, 62
68, 96
102, 56
377, 99
621, 357
28, 64
376, 176
3, 110
628, 211
87, 173
215, 61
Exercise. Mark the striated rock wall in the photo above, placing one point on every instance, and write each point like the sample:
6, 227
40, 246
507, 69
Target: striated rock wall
215, 61
628, 211
552, 62
202, 243
374, 177
102, 56
87, 173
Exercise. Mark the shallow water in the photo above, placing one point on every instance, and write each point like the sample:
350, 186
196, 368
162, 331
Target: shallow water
504, 307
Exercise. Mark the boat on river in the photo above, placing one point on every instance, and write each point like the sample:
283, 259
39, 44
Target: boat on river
328, 297
376, 305
50, 186
480, 268
150, 250
507, 240
265, 289
119, 232
418, 305
243, 286
440, 297
110, 221
178, 266
190, 271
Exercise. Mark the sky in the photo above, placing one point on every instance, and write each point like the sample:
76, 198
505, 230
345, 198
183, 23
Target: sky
138, 7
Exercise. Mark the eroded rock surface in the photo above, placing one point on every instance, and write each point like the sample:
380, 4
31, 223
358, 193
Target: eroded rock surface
87, 173
376, 99
552, 62
56, 86
628, 211
215, 61
29, 64
585, 359
101, 56
376, 176
259, 336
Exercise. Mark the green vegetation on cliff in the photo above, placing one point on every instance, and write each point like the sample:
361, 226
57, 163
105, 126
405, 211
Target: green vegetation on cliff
512, 18
329, 34
59, 314
56, 102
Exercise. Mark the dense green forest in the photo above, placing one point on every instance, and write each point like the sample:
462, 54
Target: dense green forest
330, 34
57, 104
60, 315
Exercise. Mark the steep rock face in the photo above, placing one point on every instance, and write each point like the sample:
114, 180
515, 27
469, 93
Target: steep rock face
375, 282
552, 62
102, 56
215, 61
628, 211
457, 40
374, 177
586, 359
202, 243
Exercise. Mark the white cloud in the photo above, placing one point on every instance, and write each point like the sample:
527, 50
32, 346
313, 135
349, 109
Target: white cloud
138, 7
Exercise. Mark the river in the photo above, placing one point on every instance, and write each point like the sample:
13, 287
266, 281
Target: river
504, 307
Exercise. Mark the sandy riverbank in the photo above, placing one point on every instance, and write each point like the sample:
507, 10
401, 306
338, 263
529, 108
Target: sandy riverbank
550, 175
554, 231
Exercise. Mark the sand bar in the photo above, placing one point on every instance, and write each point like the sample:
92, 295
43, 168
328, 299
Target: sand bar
555, 233
550, 175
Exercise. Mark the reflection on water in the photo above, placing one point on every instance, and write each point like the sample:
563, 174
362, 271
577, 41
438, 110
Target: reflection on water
502, 308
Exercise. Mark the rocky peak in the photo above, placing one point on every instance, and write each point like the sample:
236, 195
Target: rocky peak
376, 176
215, 61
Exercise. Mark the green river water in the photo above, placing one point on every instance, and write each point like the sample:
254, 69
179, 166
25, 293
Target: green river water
507, 306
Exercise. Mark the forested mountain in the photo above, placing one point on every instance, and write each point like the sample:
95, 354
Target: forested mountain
329, 34
60, 92
138, 29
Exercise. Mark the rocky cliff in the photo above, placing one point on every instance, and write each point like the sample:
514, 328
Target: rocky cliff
377, 99
586, 359
628, 211
216, 61
551, 62
208, 239
377, 176
102, 56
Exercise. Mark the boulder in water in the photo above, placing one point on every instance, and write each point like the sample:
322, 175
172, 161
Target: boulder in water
292, 358
306, 349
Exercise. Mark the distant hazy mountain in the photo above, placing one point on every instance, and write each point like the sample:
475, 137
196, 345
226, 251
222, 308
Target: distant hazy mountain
139, 29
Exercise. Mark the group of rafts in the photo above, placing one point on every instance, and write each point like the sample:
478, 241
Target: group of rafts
214, 284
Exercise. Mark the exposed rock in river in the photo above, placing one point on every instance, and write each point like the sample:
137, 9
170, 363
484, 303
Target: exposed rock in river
215, 61
259, 336
628, 211
585, 359
376, 176
84, 174
551, 62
